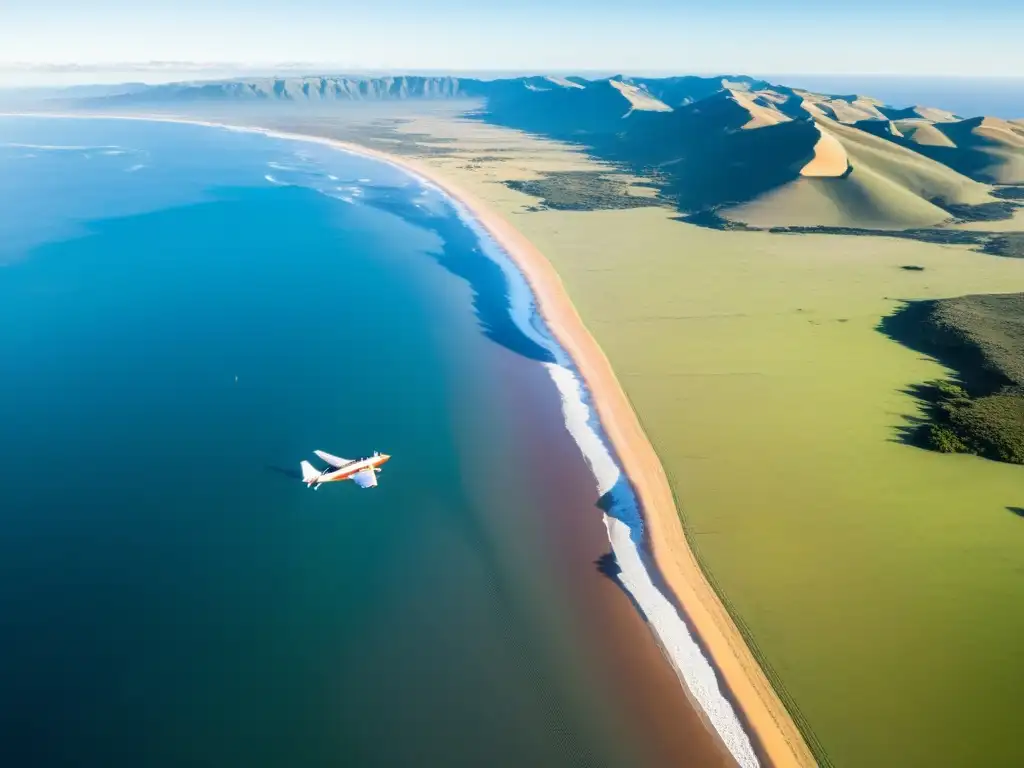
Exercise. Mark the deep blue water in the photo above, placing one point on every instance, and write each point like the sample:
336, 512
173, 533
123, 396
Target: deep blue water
965, 96
185, 313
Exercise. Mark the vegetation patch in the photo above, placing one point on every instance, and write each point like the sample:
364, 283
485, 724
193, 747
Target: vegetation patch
583, 191
1009, 193
996, 210
990, 426
711, 219
982, 338
1010, 245
925, 235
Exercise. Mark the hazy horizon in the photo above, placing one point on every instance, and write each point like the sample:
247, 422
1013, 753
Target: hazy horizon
53, 74
651, 35
966, 96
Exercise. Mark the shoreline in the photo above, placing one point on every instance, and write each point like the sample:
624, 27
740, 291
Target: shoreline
764, 716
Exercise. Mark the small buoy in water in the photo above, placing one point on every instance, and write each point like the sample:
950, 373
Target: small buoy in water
236, 379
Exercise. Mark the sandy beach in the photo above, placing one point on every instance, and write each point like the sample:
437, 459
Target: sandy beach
776, 738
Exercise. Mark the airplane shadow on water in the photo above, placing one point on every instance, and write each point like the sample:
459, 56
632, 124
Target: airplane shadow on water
294, 474
462, 254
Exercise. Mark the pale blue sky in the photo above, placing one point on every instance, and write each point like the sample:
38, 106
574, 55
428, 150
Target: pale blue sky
912, 37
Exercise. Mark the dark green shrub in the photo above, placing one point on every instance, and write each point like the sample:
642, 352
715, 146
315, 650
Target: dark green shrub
945, 440
992, 427
947, 390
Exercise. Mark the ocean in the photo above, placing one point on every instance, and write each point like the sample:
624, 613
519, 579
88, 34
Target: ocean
186, 312
965, 96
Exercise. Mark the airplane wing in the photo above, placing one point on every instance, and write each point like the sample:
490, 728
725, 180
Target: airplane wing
334, 461
365, 478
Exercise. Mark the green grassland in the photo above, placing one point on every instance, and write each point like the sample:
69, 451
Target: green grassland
879, 584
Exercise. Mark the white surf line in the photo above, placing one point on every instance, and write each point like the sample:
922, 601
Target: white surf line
690, 664
106, 149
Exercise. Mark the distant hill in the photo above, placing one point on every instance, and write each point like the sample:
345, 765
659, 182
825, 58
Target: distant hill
767, 155
744, 150
301, 89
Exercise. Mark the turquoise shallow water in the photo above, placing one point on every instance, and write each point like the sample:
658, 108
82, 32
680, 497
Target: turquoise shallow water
185, 313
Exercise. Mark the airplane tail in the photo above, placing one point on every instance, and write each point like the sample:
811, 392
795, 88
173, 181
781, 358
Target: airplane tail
310, 474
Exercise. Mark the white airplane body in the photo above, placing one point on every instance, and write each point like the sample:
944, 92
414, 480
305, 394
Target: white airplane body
363, 472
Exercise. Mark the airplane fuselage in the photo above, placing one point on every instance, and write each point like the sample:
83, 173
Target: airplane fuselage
346, 472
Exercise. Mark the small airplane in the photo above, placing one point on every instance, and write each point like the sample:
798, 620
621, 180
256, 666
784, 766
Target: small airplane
361, 471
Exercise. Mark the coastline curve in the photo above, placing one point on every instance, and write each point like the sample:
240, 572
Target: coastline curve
628, 473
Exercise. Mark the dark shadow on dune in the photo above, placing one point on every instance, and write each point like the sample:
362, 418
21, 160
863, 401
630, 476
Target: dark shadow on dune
1018, 511
971, 155
462, 254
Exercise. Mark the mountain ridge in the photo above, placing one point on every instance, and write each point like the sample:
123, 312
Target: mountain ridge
749, 151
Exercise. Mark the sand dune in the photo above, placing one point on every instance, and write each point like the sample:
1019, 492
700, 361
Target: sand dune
731, 109
803, 107
1000, 131
986, 148
921, 175
762, 111
774, 97
932, 114
830, 159
981, 131
865, 199
849, 112
888, 187
564, 82
922, 132
845, 109
638, 98
887, 129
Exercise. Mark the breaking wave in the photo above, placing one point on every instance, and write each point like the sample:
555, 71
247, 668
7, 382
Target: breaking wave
106, 150
306, 172
29, 150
